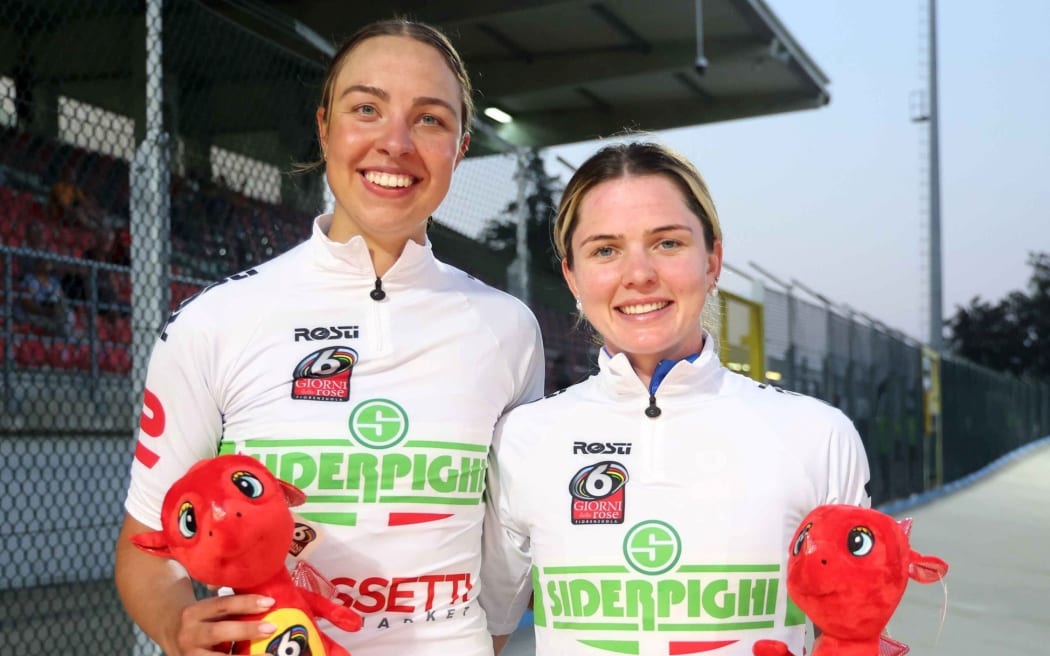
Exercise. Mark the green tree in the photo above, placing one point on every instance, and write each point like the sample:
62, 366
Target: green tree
500, 233
1012, 335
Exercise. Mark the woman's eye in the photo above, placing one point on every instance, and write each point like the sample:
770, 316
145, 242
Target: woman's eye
668, 244
430, 119
365, 110
603, 251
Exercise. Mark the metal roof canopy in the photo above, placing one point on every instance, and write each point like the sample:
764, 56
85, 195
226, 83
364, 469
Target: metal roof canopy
573, 70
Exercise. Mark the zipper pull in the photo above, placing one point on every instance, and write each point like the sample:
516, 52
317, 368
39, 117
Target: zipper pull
652, 411
378, 294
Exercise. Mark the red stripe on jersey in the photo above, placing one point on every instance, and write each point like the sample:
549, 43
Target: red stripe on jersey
401, 519
145, 456
677, 648
153, 423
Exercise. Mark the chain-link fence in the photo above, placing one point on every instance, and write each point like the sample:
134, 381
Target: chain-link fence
145, 151
876, 376
988, 414
872, 374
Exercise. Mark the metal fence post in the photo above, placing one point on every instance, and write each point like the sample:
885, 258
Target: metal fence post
149, 205
150, 229
518, 271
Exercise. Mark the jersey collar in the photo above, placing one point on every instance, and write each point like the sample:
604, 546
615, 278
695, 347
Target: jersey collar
352, 256
701, 372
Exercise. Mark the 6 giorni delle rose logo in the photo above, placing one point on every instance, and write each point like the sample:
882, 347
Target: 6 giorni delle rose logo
324, 375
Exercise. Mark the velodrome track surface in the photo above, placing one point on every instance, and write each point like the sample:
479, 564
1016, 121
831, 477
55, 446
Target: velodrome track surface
993, 529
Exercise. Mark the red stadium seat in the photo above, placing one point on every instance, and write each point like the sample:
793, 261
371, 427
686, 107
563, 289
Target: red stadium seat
123, 282
122, 330
104, 328
65, 355
30, 352
115, 359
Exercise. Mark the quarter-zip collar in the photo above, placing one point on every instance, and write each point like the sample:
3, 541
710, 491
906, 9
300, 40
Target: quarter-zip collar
699, 373
352, 256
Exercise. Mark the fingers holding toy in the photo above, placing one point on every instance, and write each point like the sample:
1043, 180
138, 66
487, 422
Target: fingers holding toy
208, 627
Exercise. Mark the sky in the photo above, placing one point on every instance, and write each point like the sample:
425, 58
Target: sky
832, 197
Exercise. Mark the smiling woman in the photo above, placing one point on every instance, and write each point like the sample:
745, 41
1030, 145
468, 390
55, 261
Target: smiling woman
677, 538
355, 366
392, 130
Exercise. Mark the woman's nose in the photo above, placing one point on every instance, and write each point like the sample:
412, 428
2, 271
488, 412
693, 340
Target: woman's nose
397, 139
640, 269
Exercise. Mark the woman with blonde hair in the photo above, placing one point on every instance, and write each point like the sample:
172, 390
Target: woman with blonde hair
355, 366
648, 509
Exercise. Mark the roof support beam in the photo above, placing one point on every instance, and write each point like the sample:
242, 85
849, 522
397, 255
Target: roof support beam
637, 41
567, 69
516, 49
548, 127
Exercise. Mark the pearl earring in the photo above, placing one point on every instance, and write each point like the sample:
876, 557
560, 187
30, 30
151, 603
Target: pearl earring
579, 306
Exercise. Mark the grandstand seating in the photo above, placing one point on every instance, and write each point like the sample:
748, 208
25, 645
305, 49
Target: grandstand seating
233, 233
215, 232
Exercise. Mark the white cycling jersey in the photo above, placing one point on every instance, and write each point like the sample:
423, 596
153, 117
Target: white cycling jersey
659, 535
382, 411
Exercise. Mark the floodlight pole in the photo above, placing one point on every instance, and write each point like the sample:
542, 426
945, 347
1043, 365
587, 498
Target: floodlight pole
936, 310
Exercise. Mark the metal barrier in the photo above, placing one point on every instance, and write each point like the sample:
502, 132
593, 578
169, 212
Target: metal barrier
872, 374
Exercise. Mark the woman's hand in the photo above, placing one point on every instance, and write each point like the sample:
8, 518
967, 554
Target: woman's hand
208, 627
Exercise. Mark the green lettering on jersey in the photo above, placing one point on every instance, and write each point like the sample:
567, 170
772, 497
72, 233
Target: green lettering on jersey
340, 473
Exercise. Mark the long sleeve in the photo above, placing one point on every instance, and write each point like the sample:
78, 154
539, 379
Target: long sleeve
506, 557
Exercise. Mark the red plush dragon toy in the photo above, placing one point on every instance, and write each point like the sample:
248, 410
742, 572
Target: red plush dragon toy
227, 521
847, 571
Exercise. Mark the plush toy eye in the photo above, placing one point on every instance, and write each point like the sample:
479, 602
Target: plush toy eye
187, 520
797, 547
860, 541
248, 484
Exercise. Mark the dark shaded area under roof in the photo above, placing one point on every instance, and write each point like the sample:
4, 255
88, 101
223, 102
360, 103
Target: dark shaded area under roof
565, 70
572, 70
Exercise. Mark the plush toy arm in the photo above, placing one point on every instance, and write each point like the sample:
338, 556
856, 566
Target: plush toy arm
770, 648
152, 542
337, 614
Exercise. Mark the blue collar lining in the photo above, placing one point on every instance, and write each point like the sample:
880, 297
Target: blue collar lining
662, 368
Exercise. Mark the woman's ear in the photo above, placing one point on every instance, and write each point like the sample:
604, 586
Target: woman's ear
714, 261
570, 278
322, 131
463, 147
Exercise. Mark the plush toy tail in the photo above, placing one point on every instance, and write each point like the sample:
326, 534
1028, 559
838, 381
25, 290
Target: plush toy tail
890, 647
770, 648
307, 577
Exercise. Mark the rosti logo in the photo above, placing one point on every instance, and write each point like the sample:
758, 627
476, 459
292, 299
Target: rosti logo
604, 448
653, 592
598, 494
324, 375
326, 332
